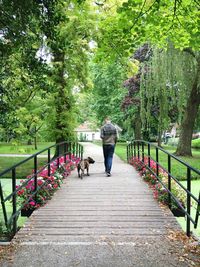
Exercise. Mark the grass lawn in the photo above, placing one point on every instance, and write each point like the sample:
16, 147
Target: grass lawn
8, 148
25, 169
21, 171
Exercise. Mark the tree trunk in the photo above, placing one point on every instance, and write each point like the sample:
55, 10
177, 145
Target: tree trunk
191, 111
60, 83
159, 138
29, 142
35, 142
62, 102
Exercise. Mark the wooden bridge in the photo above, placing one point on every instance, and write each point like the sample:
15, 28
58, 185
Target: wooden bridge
99, 221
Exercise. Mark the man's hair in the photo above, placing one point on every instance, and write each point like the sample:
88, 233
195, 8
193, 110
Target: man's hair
107, 119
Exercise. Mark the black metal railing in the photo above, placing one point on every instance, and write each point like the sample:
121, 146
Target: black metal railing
139, 149
62, 150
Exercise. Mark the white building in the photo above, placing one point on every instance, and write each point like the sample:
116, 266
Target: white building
86, 133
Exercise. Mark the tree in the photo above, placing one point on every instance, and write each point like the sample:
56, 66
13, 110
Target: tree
158, 22
132, 101
63, 29
108, 91
23, 72
166, 80
68, 29
191, 112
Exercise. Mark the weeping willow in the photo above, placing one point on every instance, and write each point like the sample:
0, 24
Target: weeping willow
166, 81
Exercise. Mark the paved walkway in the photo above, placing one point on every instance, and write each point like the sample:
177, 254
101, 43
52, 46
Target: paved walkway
99, 221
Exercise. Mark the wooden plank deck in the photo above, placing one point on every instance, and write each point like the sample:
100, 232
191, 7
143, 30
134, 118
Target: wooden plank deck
119, 208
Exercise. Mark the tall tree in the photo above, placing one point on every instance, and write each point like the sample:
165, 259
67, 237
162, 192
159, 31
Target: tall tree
191, 111
63, 29
158, 22
22, 71
108, 91
68, 28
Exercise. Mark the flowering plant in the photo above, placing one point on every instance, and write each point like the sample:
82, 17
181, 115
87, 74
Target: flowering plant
46, 185
159, 189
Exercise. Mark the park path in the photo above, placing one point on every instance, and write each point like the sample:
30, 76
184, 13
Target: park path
99, 221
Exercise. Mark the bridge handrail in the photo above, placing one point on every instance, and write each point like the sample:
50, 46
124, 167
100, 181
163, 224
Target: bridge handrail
131, 151
28, 158
171, 155
69, 148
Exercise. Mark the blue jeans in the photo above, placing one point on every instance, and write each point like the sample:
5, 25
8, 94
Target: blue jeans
108, 151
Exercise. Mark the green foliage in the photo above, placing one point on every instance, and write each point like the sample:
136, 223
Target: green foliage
45, 53
165, 85
108, 91
85, 107
196, 143
158, 21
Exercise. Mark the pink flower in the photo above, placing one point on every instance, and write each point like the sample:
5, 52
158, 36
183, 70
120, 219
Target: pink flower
20, 192
32, 203
39, 182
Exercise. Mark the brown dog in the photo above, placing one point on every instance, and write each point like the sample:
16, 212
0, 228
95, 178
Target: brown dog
84, 164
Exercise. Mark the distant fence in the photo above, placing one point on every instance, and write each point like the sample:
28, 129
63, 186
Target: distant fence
140, 149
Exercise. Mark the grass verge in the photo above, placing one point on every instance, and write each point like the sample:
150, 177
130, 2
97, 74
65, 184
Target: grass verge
9, 148
21, 171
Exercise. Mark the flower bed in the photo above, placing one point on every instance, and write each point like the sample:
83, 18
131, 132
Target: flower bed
159, 191
46, 185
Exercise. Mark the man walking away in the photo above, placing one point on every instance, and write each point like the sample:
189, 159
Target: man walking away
109, 138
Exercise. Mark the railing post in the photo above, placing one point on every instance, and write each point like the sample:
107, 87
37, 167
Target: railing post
3, 206
70, 150
138, 146
157, 166
58, 158
197, 213
73, 149
169, 180
76, 150
67, 148
134, 149
149, 156
127, 152
131, 148
49, 159
188, 200
65, 151
14, 203
81, 152
142, 152
35, 177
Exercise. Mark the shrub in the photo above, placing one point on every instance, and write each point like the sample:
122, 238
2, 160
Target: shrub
196, 143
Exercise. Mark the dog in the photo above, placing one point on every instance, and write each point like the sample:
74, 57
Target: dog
84, 164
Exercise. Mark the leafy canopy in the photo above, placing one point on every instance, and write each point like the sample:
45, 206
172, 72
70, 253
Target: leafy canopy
154, 21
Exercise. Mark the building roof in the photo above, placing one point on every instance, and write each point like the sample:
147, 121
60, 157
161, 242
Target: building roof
85, 127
